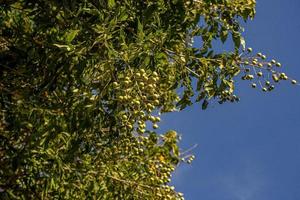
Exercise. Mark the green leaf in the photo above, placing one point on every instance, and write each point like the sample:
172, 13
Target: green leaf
111, 3
123, 16
70, 35
236, 37
140, 31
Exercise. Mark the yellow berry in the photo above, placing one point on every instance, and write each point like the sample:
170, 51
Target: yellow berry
275, 77
138, 74
155, 126
115, 84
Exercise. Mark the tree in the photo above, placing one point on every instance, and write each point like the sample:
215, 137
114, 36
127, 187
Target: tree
82, 81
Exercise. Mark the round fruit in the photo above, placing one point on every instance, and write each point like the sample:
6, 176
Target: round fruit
138, 74
141, 130
152, 118
150, 86
259, 73
121, 98
127, 78
157, 119
275, 77
141, 84
115, 84
271, 88
145, 77
250, 77
294, 82
283, 76
155, 126
126, 98
137, 102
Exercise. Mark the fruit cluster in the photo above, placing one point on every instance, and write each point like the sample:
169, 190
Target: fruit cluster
262, 72
140, 93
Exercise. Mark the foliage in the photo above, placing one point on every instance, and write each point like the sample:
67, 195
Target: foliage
82, 81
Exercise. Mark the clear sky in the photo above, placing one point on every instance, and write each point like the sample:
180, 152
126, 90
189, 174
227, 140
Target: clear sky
249, 150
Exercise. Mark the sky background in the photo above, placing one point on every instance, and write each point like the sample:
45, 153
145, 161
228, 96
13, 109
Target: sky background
249, 150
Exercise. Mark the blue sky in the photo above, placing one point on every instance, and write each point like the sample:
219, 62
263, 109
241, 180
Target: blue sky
251, 149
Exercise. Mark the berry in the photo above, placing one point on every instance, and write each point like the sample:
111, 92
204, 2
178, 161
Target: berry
259, 73
294, 82
271, 88
155, 126
275, 78
138, 74
115, 84
124, 117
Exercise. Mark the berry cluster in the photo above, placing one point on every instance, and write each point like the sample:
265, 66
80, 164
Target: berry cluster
261, 72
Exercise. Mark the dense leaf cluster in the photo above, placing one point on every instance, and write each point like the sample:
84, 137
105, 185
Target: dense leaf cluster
81, 81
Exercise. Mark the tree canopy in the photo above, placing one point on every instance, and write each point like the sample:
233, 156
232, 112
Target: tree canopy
83, 84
